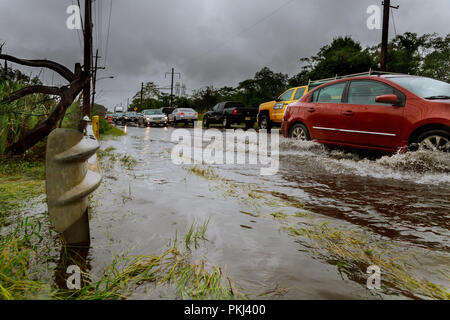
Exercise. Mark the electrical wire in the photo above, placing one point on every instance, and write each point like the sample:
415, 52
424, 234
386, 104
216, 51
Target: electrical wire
393, 21
107, 35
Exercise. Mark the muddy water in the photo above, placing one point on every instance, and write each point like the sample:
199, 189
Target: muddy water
401, 199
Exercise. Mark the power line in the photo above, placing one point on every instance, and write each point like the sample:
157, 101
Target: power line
107, 36
393, 21
249, 27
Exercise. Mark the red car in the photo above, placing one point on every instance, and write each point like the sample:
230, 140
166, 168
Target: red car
384, 112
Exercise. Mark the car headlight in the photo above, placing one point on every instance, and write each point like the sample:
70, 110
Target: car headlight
278, 106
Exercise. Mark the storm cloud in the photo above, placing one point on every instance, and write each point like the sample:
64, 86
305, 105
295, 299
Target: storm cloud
210, 42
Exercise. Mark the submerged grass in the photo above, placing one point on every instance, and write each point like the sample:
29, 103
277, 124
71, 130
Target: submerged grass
128, 161
171, 270
352, 252
196, 233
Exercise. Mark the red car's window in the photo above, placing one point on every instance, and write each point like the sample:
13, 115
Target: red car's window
330, 94
366, 91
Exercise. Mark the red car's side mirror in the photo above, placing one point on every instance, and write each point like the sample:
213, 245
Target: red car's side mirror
388, 98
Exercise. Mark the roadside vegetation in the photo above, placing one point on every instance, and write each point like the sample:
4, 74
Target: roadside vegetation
30, 257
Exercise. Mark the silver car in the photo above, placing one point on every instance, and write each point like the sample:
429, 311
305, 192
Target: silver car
153, 117
185, 115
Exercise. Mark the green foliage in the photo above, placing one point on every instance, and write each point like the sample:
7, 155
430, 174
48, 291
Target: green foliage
18, 117
342, 56
408, 53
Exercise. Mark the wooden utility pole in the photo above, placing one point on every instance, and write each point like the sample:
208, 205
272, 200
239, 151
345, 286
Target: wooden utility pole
87, 56
171, 86
385, 33
94, 79
142, 93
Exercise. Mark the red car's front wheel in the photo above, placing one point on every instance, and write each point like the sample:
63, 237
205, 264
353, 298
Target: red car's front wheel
299, 132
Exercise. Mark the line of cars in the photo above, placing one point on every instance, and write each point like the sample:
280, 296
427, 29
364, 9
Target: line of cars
157, 117
373, 110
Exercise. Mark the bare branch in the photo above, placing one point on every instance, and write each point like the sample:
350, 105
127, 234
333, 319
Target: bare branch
30, 90
62, 70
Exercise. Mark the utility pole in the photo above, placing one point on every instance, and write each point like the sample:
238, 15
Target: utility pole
171, 86
385, 33
94, 80
87, 56
142, 93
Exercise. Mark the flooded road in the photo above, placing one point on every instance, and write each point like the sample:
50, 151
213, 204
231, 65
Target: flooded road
294, 235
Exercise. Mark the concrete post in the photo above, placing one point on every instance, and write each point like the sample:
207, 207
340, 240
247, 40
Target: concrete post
71, 175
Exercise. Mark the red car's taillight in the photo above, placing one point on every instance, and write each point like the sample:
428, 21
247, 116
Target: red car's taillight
181, 113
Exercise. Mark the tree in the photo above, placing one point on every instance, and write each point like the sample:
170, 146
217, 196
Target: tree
342, 56
436, 64
67, 94
205, 98
150, 98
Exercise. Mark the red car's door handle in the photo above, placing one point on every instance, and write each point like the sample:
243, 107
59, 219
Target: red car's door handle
311, 109
348, 113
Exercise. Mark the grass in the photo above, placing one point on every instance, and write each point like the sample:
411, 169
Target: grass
279, 215
112, 132
27, 267
128, 161
352, 252
171, 269
196, 233
205, 172
19, 180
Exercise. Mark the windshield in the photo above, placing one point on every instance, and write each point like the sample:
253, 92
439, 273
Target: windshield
152, 112
131, 113
424, 87
186, 110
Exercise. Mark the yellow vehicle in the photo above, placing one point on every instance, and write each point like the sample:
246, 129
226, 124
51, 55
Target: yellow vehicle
271, 113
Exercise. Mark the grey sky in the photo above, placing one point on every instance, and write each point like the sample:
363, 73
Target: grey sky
218, 42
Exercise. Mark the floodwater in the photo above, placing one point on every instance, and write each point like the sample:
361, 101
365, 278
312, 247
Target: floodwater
402, 200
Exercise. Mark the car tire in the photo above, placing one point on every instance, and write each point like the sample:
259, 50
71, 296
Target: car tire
264, 122
436, 140
299, 132
205, 122
225, 123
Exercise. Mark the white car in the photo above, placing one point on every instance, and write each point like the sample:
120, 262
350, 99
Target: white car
153, 117
184, 115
